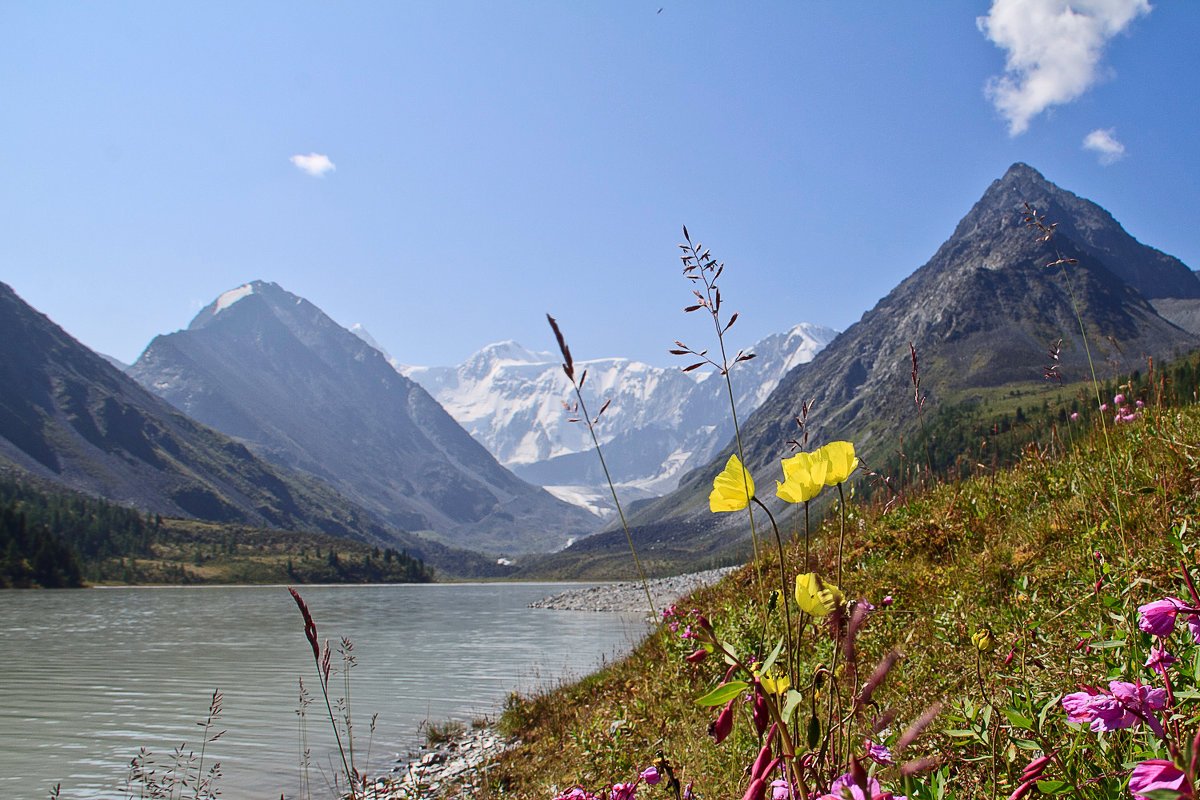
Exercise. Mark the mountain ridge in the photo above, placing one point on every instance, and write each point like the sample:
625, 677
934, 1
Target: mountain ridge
273, 370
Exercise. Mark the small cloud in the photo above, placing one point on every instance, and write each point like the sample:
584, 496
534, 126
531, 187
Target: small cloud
314, 164
1054, 49
1104, 142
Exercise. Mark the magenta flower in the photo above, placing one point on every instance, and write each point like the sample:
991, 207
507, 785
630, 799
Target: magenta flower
1160, 659
1119, 399
1074, 415
1157, 775
650, 775
844, 788
780, 790
879, 753
1158, 618
1139, 404
1123, 706
623, 791
578, 793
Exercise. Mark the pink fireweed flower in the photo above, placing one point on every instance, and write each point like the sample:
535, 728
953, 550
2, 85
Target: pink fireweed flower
878, 753
780, 790
844, 788
1158, 618
1160, 659
1157, 775
578, 793
1123, 706
623, 791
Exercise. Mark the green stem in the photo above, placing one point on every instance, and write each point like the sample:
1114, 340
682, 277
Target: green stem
787, 607
620, 512
842, 537
1099, 402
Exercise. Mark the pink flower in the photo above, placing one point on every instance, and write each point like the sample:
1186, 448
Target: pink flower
1139, 404
1160, 659
577, 793
780, 790
650, 775
1074, 415
887, 601
623, 791
1119, 399
1158, 618
1104, 406
1159, 775
1123, 706
844, 788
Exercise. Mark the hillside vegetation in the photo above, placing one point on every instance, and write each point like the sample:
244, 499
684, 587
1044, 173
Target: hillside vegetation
1009, 588
58, 539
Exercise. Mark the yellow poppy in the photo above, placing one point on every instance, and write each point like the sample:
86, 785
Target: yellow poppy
815, 596
840, 458
803, 477
732, 489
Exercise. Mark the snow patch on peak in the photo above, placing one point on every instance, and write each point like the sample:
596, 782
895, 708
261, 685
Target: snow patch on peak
510, 350
232, 296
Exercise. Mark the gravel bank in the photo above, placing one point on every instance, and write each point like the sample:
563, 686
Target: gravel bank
429, 773
630, 596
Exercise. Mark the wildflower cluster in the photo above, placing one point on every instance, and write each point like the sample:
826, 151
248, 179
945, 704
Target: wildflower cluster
619, 791
1123, 410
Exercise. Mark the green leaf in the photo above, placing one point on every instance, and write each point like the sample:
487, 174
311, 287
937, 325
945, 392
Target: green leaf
1018, 720
770, 662
723, 694
1107, 644
1026, 744
794, 699
1056, 787
731, 654
960, 733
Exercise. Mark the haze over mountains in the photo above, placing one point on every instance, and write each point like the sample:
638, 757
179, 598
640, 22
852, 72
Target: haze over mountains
69, 418
320, 430
661, 421
272, 370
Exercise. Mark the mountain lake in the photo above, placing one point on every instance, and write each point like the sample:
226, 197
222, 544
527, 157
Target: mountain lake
94, 675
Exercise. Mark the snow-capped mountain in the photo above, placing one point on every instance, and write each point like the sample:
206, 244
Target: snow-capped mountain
660, 423
272, 370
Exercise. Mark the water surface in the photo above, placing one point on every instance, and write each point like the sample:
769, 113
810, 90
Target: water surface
91, 676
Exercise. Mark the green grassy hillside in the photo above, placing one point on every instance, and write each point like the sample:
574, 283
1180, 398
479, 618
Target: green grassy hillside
1052, 555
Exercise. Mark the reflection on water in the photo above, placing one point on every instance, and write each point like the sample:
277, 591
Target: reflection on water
90, 676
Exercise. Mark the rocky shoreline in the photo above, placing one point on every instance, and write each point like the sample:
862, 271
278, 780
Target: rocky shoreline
429, 772
630, 595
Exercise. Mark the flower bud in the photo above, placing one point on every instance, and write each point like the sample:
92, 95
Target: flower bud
723, 724
983, 640
697, 657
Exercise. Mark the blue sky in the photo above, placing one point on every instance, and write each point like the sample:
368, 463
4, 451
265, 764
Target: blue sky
487, 163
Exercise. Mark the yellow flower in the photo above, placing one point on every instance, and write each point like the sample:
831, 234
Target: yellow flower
730, 488
840, 458
803, 477
984, 640
774, 684
815, 596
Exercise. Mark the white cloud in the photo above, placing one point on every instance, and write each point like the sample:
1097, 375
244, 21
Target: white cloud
1104, 142
1054, 49
314, 164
